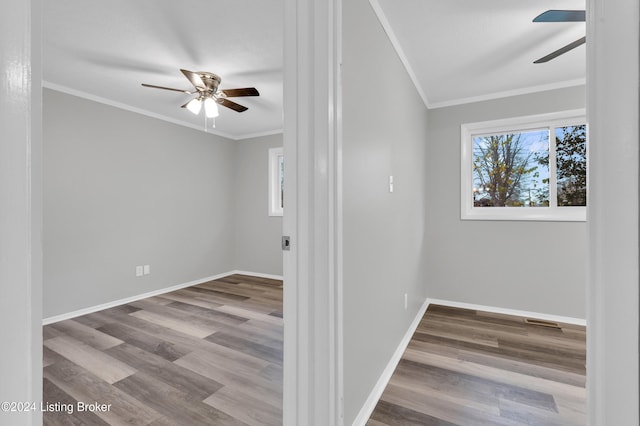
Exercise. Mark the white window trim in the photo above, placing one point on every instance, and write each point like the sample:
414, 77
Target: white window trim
275, 196
552, 213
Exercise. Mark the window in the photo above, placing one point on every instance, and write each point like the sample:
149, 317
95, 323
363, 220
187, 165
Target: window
276, 182
525, 168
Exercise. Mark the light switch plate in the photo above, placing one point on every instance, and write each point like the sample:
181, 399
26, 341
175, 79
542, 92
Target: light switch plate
147, 269
139, 271
390, 183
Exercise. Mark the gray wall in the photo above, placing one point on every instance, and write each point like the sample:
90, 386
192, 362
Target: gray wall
384, 133
533, 266
122, 189
257, 233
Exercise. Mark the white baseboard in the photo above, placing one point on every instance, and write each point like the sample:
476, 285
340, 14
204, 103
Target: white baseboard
381, 384
91, 309
515, 312
258, 275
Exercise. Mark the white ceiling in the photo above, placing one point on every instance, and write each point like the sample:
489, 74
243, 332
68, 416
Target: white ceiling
466, 50
104, 50
456, 51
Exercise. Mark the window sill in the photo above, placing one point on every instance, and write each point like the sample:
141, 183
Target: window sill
538, 214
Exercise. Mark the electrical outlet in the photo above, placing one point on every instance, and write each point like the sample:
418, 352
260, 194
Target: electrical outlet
146, 269
139, 271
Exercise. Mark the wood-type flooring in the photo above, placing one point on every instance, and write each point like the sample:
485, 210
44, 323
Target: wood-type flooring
465, 367
210, 354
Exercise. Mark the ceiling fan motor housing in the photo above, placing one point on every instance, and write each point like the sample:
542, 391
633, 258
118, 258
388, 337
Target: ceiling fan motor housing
211, 82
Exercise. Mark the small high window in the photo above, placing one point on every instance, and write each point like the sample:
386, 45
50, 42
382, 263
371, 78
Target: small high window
525, 168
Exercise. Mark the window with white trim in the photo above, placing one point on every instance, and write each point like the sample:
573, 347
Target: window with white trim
276, 182
525, 168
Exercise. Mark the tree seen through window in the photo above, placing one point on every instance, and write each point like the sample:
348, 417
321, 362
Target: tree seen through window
507, 169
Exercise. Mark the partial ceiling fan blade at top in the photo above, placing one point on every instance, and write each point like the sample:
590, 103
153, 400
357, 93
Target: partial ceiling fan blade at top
561, 51
236, 93
168, 88
194, 78
230, 104
561, 16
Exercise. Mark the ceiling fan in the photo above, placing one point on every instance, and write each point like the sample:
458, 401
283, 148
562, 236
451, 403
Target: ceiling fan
561, 16
208, 94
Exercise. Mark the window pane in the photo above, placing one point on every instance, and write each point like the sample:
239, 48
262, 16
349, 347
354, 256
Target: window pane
511, 169
281, 179
571, 160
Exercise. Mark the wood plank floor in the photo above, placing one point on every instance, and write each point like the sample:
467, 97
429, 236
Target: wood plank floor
210, 354
465, 367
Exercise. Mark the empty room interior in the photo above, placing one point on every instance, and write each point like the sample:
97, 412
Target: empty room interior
463, 297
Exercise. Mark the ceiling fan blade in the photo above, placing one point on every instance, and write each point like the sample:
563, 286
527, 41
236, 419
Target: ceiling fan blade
561, 16
561, 51
168, 88
230, 104
195, 79
246, 91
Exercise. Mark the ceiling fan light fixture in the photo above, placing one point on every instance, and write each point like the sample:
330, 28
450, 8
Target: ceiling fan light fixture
206, 88
194, 106
211, 108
